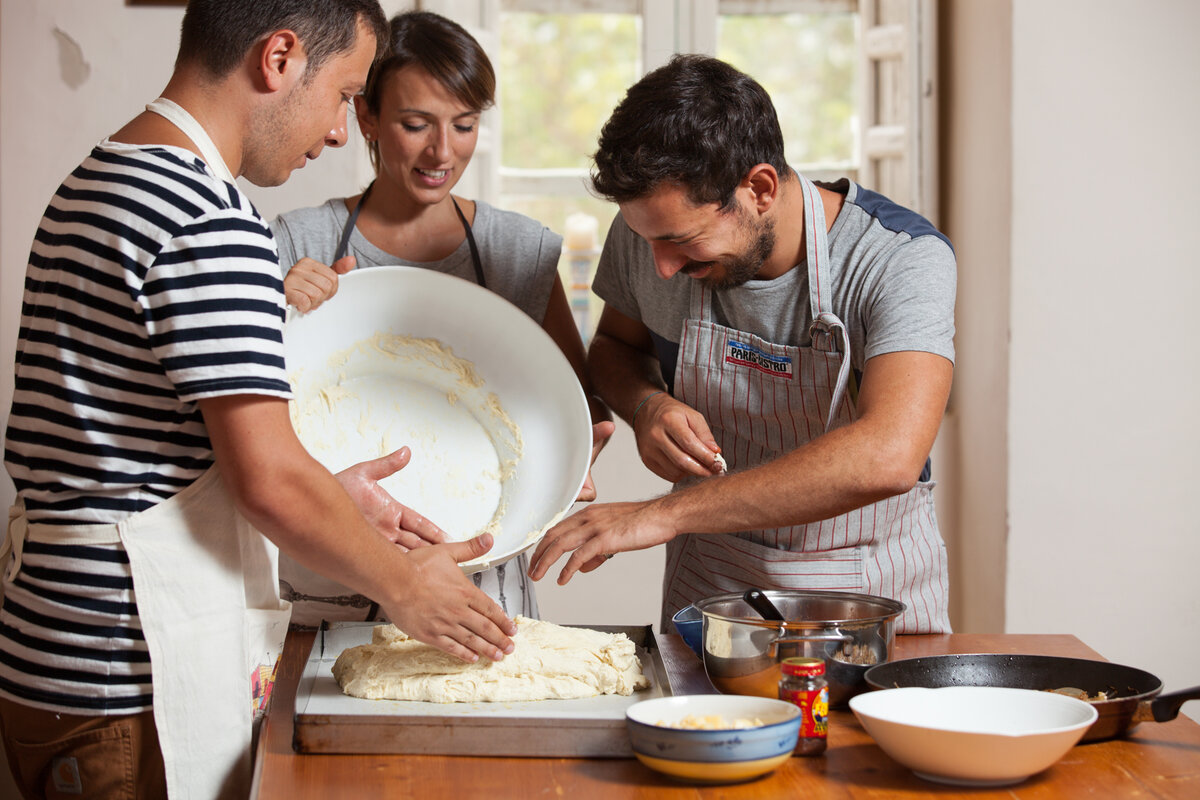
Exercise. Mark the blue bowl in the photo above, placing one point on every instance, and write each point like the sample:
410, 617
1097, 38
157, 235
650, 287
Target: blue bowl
720, 754
689, 624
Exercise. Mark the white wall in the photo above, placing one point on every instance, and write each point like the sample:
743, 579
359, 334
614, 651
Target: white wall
1105, 361
974, 76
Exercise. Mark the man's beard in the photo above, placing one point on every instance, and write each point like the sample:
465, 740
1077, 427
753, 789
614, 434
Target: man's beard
745, 265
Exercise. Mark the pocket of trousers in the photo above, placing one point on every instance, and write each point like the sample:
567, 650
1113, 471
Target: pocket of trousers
92, 764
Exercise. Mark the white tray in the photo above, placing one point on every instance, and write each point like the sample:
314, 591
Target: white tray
329, 721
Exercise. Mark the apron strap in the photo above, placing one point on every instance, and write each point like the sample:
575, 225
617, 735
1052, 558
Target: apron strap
20, 530
816, 243
348, 228
180, 118
828, 332
471, 243
14, 539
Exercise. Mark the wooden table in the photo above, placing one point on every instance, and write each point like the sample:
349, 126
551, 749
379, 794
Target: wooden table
1154, 760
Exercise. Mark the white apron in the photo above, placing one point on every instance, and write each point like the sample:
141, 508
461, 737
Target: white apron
762, 400
206, 585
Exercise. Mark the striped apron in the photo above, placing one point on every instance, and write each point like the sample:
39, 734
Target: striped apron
762, 400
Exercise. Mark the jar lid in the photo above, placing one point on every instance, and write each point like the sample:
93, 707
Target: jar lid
803, 666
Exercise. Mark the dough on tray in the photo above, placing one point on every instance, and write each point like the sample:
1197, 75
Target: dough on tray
548, 662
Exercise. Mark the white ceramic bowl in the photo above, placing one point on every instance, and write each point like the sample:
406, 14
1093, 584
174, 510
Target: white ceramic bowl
720, 755
973, 735
468, 469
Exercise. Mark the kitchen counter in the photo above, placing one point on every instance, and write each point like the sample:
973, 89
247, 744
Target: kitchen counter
1160, 760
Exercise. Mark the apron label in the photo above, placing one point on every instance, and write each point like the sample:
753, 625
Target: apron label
745, 355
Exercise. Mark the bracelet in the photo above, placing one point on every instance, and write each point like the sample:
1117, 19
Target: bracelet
633, 421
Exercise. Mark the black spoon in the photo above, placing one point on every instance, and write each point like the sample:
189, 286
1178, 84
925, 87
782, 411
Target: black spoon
759, 601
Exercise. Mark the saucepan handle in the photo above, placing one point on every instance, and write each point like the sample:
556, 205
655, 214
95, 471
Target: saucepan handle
1165, 707
816, 637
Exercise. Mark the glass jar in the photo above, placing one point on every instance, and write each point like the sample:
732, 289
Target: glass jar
803, 683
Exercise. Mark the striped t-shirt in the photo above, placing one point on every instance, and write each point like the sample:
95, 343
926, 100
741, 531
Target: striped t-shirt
151, 284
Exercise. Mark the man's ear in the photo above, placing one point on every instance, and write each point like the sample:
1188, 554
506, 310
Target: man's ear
762, 181
281, 61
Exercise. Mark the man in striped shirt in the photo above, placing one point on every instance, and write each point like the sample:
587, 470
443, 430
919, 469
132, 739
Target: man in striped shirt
149, 438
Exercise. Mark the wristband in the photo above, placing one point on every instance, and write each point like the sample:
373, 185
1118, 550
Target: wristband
633, 421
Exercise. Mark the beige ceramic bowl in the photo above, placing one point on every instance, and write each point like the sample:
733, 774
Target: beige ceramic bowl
973, 735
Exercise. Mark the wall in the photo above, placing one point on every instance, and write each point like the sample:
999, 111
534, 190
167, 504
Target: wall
1104, 380
976, 51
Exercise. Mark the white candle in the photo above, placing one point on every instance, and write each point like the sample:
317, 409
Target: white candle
581, 232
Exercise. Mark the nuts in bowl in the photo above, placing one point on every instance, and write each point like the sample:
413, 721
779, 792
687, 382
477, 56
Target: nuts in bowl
713, 738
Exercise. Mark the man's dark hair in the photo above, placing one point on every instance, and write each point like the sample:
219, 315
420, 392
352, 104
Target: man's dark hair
696, 122
217, 34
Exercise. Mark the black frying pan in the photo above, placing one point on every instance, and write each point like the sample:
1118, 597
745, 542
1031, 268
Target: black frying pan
1133, 695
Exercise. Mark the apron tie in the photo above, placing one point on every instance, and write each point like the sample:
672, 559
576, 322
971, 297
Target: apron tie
14, 540
824, 325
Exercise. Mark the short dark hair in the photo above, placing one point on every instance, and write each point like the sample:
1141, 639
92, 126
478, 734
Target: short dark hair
217, 34
441, 47
696, 122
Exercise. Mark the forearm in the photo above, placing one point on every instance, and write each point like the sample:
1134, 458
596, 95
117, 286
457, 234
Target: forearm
829, 476
296, 503
622, 375
878, 455
307, 514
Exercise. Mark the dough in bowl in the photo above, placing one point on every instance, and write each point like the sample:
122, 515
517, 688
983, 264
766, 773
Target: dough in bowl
548, 662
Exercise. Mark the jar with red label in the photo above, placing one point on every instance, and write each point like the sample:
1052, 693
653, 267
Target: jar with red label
803, 683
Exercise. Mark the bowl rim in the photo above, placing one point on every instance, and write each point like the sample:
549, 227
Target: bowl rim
792, 713
1051, 698
896, 609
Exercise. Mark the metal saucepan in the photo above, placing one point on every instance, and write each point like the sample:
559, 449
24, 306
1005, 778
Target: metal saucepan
1132, 695
742, 650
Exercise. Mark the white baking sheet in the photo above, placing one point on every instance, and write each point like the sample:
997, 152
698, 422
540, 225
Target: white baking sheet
332, 722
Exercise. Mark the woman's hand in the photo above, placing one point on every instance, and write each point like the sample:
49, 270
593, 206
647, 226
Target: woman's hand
601, 433
396, 522
310, 283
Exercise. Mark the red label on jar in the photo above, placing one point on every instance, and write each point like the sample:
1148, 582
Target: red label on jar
814, 710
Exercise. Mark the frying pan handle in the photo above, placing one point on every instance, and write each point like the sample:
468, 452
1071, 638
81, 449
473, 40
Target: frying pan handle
1165, 707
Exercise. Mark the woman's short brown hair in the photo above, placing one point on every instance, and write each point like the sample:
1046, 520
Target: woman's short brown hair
441, 47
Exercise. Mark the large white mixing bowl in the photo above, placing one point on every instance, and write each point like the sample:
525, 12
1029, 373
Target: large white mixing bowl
450, 479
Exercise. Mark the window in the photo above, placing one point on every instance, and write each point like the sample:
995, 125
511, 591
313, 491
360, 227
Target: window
852, 81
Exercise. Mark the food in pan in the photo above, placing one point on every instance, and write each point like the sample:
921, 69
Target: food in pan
1080, 694
549, 662
857, 653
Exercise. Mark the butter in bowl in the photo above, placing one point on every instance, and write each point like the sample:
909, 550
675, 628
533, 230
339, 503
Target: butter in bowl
713, 738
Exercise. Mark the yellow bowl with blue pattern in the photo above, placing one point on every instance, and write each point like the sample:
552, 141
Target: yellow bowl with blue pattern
713, 738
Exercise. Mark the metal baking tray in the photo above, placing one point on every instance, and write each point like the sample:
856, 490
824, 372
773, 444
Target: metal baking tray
329, 721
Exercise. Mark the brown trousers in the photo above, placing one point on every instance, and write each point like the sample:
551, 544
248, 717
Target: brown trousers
71, 757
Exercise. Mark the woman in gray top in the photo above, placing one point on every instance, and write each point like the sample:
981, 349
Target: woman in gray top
419, 114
